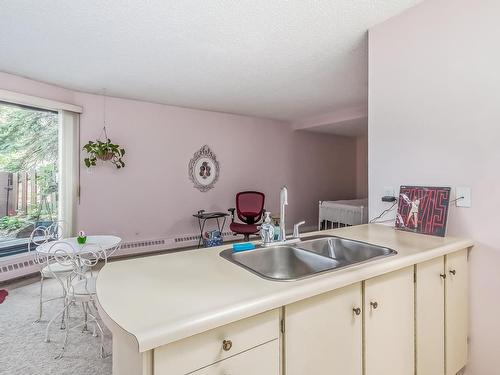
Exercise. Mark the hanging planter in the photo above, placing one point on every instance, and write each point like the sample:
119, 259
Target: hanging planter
105, 151
106, 157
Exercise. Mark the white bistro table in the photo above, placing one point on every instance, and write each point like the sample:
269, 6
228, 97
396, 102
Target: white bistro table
101, 246
106, 243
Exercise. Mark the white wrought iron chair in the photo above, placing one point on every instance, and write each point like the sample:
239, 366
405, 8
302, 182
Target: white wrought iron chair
39, 236
80, 289
110, 251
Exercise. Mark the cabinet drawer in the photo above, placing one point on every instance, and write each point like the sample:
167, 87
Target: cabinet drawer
206, 348
262, 360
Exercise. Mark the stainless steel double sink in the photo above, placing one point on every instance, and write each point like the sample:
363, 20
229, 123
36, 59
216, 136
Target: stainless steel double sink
306, 258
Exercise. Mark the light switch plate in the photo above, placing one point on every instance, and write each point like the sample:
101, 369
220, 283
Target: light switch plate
465, 192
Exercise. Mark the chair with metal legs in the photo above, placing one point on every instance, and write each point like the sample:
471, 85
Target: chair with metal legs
39, 236
79, 288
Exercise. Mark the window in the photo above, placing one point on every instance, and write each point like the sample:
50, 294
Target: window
29, 173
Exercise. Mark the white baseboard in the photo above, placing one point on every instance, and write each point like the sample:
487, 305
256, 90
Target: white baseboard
174, 243
19, 265
128, 248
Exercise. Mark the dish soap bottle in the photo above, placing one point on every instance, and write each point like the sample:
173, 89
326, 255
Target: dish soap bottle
267, 229
276, 224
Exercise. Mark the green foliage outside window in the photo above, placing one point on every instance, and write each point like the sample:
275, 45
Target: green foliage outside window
28, 139
29, 144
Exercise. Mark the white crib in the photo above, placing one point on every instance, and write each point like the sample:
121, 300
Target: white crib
342, 213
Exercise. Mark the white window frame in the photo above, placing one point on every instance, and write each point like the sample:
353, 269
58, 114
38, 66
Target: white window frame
69, 151
37, 102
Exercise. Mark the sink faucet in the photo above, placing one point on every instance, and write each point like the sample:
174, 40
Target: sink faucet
296, 233
283, 203
265, 230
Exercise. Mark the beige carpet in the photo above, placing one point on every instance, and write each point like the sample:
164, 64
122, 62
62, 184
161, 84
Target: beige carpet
22, 347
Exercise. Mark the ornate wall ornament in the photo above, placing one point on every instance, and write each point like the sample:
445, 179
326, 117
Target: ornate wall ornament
203, 169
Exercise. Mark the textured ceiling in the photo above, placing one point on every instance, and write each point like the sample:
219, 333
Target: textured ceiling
270, 58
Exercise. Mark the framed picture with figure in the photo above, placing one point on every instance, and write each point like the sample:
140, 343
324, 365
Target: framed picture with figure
204, 169
423, 209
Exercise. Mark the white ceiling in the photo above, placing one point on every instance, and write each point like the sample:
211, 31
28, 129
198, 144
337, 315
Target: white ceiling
270, 58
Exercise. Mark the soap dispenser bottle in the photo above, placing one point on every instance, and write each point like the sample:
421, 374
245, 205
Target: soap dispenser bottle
267, 229
276, 225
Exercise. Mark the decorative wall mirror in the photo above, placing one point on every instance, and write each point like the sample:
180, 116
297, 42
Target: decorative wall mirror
204, 169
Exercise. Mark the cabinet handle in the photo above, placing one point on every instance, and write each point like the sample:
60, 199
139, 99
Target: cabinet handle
453, 272
374, 304
443, 276
357, 310
227, 345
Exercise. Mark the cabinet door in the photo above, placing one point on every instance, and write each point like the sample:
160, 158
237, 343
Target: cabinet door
456, 311
263, 359
389, 324
323, 334
429, 319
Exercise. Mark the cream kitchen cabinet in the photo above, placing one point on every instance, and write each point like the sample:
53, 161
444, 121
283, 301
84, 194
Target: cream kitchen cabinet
323, 334
441, 314
429, 319
412, 319
456, 311
389, 323
401, 315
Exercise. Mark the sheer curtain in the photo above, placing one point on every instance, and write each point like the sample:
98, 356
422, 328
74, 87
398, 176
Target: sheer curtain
69, 169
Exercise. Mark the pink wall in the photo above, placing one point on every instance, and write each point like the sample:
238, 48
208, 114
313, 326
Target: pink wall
152, 197
433, 119
35, 88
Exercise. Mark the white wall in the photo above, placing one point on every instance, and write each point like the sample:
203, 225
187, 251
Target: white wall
434, 116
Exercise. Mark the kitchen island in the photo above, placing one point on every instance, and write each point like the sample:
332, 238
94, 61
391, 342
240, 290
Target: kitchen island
195, 312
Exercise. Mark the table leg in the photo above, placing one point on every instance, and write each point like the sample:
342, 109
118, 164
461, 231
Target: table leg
223, 225
202, 227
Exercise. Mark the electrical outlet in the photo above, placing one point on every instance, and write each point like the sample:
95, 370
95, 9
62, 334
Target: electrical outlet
464, 193
388, 191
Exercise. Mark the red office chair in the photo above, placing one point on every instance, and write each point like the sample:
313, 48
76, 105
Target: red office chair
249, 208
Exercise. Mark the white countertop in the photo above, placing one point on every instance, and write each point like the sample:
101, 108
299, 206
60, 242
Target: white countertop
164, 298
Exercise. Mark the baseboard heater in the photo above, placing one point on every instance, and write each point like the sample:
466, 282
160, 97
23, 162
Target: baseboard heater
20, 265
23, 264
